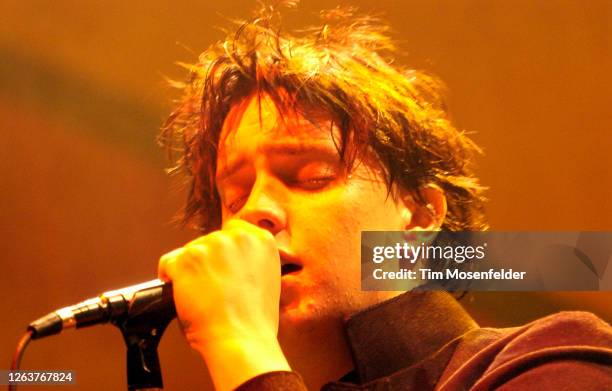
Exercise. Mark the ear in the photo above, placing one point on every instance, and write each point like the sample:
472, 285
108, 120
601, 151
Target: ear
428, 217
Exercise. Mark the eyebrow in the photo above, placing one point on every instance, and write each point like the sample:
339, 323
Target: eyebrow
299, 148
287, 149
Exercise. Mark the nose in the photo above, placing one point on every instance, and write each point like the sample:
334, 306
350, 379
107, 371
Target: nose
264, 207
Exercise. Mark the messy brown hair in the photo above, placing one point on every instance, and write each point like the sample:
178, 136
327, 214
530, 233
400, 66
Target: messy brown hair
344, 68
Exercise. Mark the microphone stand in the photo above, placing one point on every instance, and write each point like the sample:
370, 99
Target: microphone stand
142, 330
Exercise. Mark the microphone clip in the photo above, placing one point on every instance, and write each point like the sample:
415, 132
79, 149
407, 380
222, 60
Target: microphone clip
142, 330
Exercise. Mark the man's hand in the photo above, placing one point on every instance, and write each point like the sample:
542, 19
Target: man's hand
226, 291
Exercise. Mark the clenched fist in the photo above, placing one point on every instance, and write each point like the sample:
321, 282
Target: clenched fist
227, 290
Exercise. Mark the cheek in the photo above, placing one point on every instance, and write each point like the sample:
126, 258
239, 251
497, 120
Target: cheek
328, 225
325, 218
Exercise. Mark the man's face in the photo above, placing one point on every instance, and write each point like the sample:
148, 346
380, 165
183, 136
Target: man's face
285, 175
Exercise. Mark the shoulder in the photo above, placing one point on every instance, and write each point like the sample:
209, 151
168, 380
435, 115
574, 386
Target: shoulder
570, 328
572, 350
567, 350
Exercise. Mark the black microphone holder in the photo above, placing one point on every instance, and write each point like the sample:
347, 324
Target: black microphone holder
142, 330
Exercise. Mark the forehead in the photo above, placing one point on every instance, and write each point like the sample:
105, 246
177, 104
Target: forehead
257, 122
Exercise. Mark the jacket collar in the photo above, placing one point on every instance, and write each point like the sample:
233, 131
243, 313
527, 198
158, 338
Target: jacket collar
404, 331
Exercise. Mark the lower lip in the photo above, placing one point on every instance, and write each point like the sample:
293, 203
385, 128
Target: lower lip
289, 289
290, 279
290, 276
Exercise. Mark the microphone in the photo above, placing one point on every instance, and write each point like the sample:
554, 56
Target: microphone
151, 300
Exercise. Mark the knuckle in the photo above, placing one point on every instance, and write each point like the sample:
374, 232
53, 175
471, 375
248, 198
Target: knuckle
193, 252
250, 235
219, 240
166, 264
192, 259
239, 235
267, 236
233, 224
199, 240
170, 255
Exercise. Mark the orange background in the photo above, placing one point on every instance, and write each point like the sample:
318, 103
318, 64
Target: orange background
85, 205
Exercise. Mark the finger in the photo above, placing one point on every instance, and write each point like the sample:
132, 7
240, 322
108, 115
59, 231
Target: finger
244, 226
166, 266
238, 224
192, 258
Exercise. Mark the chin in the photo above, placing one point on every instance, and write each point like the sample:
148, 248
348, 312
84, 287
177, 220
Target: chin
295, 313
306, 319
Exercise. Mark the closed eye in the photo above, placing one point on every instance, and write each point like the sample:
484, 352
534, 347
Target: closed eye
311, 184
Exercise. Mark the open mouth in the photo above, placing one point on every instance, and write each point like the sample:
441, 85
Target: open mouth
289, 262
288, 268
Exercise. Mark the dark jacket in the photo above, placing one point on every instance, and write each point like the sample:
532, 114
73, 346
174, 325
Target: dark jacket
426, 341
